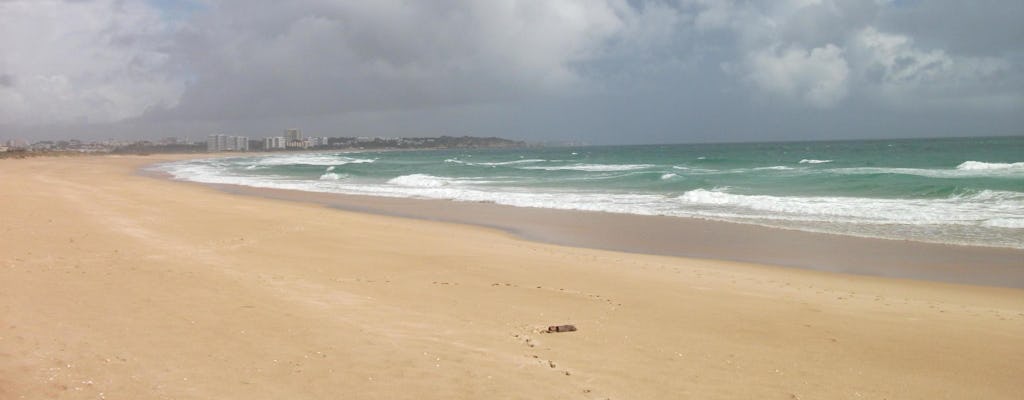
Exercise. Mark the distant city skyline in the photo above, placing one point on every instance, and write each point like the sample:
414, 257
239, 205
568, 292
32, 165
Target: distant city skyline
599, 72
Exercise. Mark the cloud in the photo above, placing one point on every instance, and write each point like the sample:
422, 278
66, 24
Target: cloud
89, 61
782, 49
822, 52
894, 69
817, 77
320, 57
511, 67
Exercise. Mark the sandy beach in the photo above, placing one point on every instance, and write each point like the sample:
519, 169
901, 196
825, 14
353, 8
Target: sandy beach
118, 285
696, 238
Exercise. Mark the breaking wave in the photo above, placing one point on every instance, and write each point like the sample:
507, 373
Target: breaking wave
306, 159
594, 167
984, 166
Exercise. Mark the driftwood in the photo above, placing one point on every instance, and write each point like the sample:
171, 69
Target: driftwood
561, 328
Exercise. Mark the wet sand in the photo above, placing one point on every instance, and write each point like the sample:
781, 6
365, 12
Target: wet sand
696, 238
116, 285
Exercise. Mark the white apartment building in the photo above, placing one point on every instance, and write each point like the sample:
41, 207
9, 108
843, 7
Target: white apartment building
275, 143
217, 143
318, 141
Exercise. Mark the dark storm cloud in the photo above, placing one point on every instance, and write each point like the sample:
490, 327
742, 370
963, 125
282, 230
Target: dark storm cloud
598, 71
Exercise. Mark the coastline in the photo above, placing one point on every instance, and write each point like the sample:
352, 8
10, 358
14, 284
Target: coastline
118, 285
691, 237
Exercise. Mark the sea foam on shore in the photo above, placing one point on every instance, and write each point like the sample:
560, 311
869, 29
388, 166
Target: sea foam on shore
924, 190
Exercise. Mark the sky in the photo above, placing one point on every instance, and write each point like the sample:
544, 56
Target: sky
590, 71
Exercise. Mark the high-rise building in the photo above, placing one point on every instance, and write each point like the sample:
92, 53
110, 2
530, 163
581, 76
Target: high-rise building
293, 135
217, 143
241, 143
275, 143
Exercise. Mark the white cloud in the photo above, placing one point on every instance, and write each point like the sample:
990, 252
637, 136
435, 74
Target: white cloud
817, 77
73, 62
820, 52
899, 72
773, 56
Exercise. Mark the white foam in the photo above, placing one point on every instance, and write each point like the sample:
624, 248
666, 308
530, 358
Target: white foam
668, 176
494, 164
1012, 223
312, 159
419, 180
991, 196
968, 218
969, 172
431, 181
971, 209
594, 167
812, 161
204, 171
984, 166
331, 168
774, 168
694, 170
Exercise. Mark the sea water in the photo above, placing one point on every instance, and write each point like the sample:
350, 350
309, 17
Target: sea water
956, 191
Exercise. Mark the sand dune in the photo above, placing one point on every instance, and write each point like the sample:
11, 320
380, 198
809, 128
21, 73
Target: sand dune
117, 285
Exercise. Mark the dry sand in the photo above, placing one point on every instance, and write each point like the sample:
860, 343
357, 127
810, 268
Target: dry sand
115, 285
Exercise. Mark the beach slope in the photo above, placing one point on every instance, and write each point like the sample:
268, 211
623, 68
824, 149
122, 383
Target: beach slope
118, 285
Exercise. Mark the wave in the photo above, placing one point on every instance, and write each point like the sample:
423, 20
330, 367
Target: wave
984, 166
1011, 223
493, 164
594, 167
985, 217
775, 168
419, 180
307, 159
696, 170
970, 172
812, 161
966, 209
431, 181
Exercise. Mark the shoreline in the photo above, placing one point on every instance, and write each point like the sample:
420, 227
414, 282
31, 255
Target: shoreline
687, 237
118, 285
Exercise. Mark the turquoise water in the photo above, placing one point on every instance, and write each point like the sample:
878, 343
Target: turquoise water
960, 191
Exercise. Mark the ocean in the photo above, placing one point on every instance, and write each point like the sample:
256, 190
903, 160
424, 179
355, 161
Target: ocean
967, 191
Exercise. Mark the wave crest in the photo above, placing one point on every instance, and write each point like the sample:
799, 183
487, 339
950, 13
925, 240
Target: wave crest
973, 208
494, 164
594, 167
419, 180
984, 166
321, 160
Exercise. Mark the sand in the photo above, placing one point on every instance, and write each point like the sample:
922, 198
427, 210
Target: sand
117, 285
696, 238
